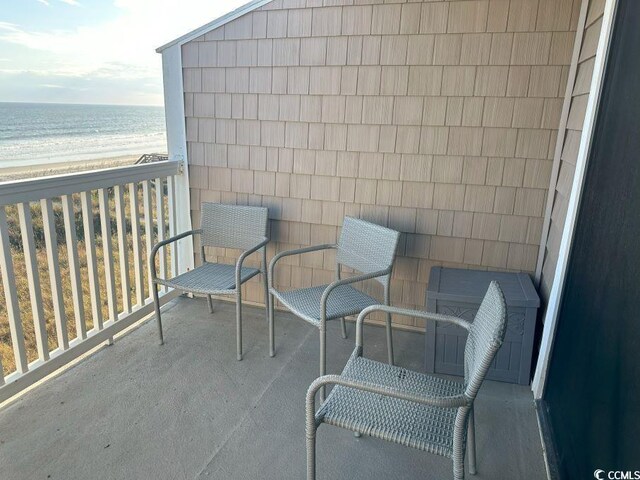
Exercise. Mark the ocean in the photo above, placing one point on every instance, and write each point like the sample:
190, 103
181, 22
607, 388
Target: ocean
34, 134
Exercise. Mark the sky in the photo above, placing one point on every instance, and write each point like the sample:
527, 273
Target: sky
93, 51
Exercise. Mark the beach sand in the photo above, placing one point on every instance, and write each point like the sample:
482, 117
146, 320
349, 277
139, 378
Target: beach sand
18, 173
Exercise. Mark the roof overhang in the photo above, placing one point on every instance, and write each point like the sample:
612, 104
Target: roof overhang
217, 23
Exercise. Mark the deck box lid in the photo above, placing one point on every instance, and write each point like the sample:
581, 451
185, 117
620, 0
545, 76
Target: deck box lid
470, 286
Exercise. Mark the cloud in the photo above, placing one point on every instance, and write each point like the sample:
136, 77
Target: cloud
131, 37
121, 49
74, 3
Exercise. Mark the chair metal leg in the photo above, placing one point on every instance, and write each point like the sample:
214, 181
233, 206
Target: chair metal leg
462, 417
311, 429
239, 323
266, 298
156, 304
311, 457
471, 443
210, 303
458, 470
272, 341
389, 340
343, 324
265, 283
387, 302
323, 357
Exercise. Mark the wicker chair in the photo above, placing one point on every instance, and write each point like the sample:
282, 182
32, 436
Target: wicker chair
364, 247
409, 408
227, 226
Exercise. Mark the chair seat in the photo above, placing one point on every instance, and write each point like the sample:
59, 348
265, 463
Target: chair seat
343, 301
407, 423
210, 278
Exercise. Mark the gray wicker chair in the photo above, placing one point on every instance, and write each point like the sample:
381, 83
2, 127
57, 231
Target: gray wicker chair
227, 226
409, 408
365, 247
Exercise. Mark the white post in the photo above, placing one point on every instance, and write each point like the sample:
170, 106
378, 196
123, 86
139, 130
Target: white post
137, 244
92, 263
123, 247
11, 297
53, 262
177, 149
33, 277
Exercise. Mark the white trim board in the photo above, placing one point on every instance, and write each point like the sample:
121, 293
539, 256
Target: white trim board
217, 23
177, 148
562, 131
555, 298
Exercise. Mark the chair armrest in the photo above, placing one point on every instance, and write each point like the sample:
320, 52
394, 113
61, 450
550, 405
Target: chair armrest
159, 245
245, 254
444, 402
438, 317
297, 251
345, 281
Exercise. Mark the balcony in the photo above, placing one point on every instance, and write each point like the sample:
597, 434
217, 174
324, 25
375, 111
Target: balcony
188, 409
470, 127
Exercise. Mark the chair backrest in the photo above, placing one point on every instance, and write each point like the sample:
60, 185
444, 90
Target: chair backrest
485, 338
367, 247
232, 226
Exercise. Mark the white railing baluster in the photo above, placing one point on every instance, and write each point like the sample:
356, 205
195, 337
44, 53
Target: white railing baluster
46, 191
137, 245
92, 264
33, 278
171, 199
160, 223
123, 248
51, 243
69, 214
107, 252
11, 296
148, 228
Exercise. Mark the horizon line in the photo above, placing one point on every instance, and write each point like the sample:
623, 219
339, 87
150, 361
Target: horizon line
79, 103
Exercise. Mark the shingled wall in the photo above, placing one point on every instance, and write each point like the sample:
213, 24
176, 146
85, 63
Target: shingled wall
438, 119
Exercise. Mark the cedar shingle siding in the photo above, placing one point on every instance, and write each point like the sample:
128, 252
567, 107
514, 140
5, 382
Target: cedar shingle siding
436, 119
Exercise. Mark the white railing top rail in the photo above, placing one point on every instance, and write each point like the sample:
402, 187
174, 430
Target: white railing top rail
34, 189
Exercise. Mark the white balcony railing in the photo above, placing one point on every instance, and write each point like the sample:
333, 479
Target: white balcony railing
71, 277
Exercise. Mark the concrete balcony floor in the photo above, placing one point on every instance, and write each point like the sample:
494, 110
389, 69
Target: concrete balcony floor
188, 409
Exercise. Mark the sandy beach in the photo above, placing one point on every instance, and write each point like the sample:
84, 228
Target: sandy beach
18, 173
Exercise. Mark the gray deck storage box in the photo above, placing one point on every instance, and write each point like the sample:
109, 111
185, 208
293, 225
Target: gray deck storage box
458, 292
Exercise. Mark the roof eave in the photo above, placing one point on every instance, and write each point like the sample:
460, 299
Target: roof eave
217, 23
